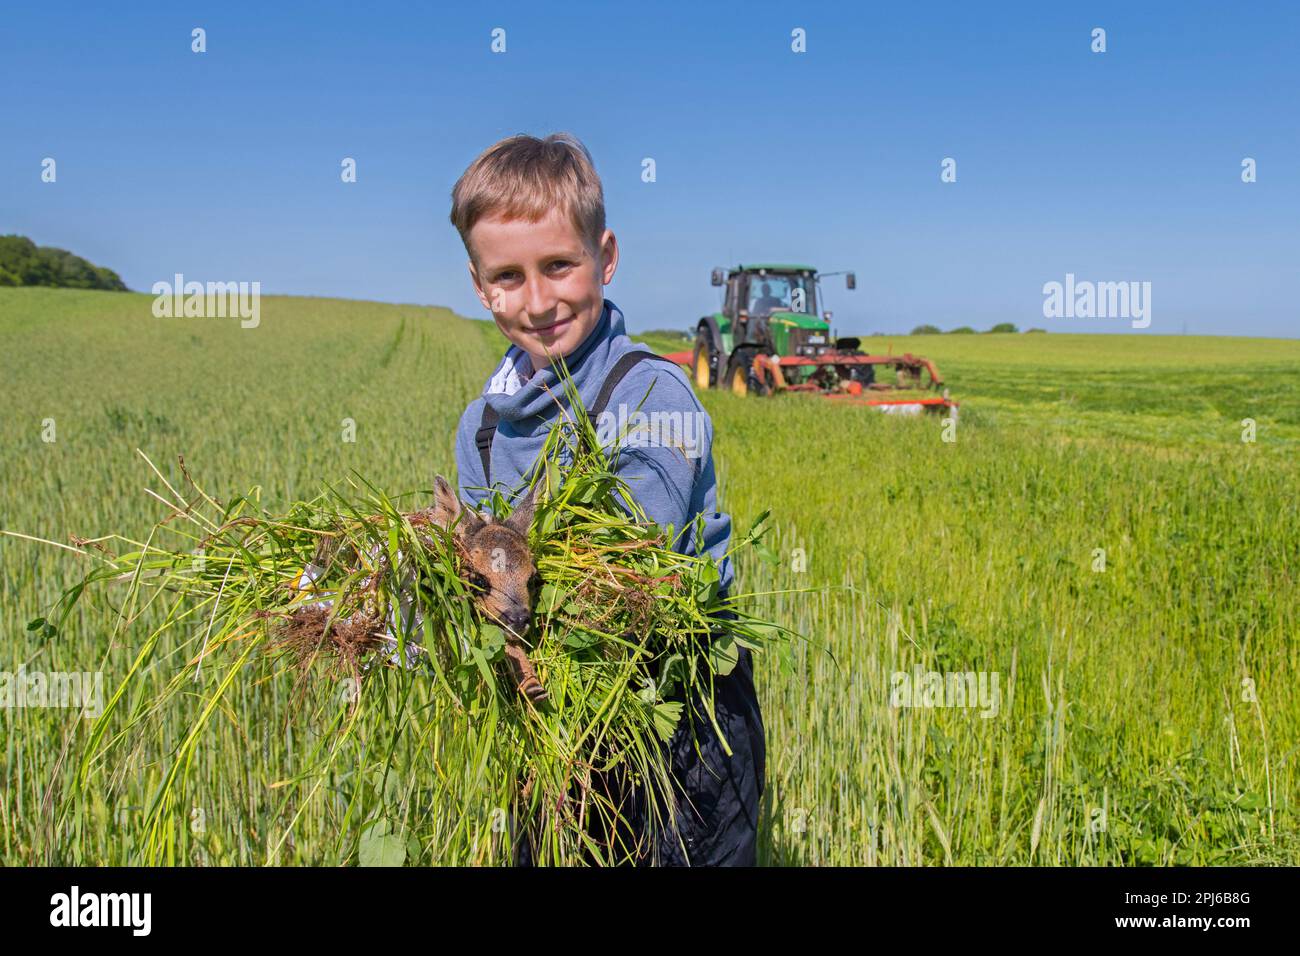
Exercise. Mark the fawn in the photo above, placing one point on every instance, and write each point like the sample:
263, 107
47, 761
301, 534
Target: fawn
497, 564
499, 569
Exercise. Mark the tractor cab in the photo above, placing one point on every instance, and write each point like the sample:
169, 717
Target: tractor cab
763, 292
766, 305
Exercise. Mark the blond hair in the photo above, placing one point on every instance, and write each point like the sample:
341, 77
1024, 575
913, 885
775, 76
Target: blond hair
523, 177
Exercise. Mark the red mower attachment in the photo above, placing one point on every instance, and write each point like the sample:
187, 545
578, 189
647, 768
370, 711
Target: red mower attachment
847, 376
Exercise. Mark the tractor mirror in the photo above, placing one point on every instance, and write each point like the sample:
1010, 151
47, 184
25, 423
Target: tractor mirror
826, 316
851, 280
719, 276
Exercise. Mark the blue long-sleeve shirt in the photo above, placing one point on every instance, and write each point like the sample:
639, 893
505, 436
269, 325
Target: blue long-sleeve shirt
668, 468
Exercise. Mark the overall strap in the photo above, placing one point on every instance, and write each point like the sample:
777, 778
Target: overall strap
620, 369
483, 438
488, 425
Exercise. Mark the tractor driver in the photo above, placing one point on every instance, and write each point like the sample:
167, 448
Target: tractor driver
767, 302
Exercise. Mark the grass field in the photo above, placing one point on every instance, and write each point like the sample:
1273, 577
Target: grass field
1149, 708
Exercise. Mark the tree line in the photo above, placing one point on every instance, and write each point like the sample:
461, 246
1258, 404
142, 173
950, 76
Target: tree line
23, 262
1001, 328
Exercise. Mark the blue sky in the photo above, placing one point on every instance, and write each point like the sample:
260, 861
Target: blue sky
1118, 166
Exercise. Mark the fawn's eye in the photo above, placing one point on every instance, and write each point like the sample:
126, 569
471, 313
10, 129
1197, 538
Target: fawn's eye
479, 583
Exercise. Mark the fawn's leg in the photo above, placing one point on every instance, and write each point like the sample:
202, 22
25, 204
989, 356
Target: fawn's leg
525, 676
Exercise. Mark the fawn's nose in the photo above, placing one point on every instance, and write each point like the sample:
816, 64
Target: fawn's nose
517, 620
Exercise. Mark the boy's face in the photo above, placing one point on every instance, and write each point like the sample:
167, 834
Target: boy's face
543, 285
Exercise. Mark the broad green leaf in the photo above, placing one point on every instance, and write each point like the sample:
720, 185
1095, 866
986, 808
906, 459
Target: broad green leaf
580, 639
492, 640
381, 847
723, 655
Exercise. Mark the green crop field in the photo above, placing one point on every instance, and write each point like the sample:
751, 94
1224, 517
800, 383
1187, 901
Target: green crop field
1098, 544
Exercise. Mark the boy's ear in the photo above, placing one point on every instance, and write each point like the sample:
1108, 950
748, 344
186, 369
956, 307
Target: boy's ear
608, 257
478, 285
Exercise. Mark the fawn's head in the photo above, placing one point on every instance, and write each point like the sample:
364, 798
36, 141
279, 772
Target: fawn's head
499, 565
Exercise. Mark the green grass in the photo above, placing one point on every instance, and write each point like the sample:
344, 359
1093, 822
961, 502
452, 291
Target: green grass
1127, 735
664, 341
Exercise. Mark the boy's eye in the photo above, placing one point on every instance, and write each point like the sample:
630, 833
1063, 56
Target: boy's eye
560, 265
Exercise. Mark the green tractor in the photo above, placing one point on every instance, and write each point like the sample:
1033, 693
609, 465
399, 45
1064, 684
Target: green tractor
770, 338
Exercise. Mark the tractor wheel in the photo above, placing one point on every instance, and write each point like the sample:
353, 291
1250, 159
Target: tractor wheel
741, 375
704, 363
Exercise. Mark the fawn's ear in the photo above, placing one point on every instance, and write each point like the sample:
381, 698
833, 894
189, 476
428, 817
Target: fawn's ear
521, 518
447, 508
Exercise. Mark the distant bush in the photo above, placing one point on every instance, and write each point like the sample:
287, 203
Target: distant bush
1029, 331
1004, 327
962, 330
22, 262
926, 330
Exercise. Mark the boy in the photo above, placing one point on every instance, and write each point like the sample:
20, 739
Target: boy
531, 214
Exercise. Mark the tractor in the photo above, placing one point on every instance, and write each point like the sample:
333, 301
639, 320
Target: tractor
769, 338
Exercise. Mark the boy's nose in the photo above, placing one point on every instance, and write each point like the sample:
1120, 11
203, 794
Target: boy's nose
538, 303
517, 620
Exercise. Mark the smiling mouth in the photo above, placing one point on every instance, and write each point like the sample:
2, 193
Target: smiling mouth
550, 329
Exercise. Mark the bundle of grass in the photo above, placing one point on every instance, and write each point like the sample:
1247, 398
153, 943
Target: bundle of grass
497, 668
